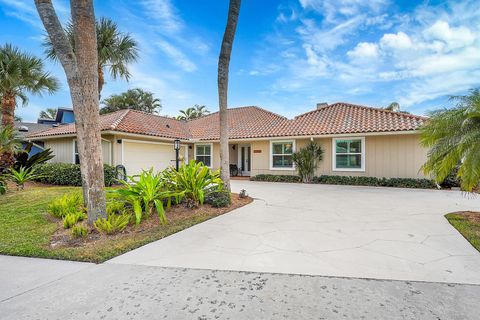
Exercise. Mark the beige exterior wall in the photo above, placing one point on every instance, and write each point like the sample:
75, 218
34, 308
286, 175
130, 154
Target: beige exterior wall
389, 156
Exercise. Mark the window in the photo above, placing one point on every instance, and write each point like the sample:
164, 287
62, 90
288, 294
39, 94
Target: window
76, 158
281, 155
203, 153
349, 154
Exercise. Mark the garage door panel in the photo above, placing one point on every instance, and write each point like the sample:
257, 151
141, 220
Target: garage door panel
139, 156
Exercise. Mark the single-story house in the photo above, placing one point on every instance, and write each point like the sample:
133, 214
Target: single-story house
357, 140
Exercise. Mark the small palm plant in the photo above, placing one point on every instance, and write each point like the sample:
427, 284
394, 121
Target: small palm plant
195, 180
148, 190
10, 144
306, 160
453, 137
21, 176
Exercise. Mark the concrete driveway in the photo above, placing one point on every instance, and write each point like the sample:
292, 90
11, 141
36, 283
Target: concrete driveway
347, 231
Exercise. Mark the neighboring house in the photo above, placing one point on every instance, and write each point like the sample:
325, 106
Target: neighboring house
28, 128
356, 140
63, 116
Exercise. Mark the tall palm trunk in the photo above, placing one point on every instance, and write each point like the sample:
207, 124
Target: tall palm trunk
8, 110
101, 81
8, 103
223, 66
82, 77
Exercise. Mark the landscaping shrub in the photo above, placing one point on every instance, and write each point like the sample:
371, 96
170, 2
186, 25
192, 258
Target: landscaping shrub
3, 185
79, 231
219, 199
276, 178
72, 218
68, 174
113, 224
68, 203
195, 180
350, 180
306, 160
22, 175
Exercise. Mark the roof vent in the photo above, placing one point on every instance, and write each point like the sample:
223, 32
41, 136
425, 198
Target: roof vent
23, 129
321, 105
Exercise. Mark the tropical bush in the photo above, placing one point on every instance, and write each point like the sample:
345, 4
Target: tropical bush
23, 158
453, 137
147, 191
10, 144
3, 185
218, 199
68, 174
21, 176
194, 180
70, 219
306, 160
79, 231
113, 224
68, 203
353, 180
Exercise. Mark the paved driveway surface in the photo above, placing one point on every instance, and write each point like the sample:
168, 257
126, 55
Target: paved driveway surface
348, 231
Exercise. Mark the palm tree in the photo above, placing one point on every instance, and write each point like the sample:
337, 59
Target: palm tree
21, 74
48, 113
136, 99
10, 144
115, 50
223, 66
453, 136
79, 61
194, 112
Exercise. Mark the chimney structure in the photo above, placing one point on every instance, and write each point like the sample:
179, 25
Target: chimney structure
321, 105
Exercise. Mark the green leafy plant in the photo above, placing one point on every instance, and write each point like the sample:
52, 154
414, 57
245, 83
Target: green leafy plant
147, 190
23, 158
219, 199
21, 176
194, 180
68, 174
453, 137
79, 231
10, 144
68, 203
113, 224
306, 160
72, 218
3, 185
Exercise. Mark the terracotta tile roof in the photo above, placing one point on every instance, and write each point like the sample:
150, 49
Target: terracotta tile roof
129, 121
255, 122
243, 122
340, 118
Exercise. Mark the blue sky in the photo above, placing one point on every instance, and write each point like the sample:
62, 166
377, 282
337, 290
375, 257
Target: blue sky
288, 54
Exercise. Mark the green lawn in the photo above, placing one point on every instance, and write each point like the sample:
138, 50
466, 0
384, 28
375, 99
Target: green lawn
26, 228
468, 226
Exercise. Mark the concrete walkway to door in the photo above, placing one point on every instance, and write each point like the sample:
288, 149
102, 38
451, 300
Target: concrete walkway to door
347, 231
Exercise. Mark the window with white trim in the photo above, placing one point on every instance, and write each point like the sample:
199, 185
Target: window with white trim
281, 157
203, 153
349, 154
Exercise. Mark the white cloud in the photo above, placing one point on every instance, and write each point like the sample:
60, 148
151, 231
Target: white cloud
453, 37
176, 55
364, 51
396, 41
164, 15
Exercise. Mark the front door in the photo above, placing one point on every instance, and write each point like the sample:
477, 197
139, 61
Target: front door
244, 159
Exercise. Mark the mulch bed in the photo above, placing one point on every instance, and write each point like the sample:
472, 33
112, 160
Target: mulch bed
470, 215
176, 214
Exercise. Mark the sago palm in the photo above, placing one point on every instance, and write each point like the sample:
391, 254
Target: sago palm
115, 50
21, 74
453, 137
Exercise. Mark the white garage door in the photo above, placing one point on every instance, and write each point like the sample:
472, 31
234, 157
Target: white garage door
138, 156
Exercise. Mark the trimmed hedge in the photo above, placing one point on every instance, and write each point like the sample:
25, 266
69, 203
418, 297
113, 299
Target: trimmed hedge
219, 199
68, 174
276, 178
356, 181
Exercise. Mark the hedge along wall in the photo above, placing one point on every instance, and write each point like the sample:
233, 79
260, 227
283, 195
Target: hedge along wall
356, 181
68, 174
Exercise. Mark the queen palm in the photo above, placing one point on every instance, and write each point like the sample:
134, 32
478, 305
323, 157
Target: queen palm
21, 74
453, 136
115, 50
